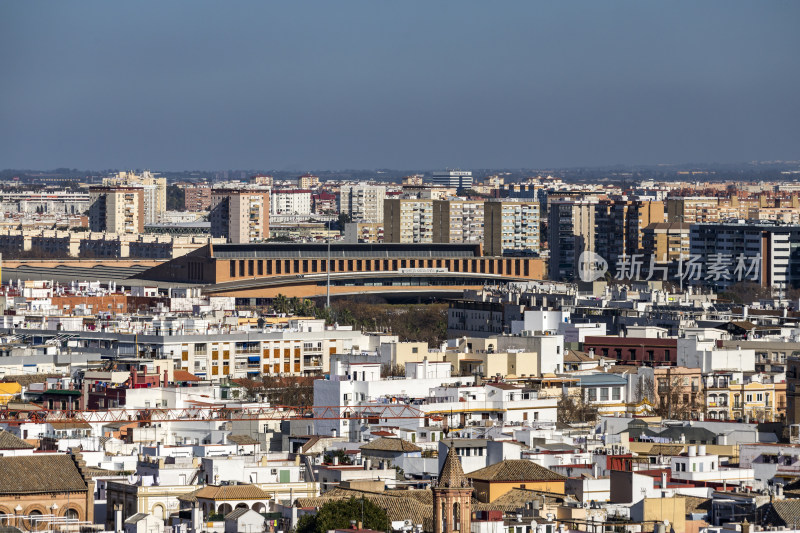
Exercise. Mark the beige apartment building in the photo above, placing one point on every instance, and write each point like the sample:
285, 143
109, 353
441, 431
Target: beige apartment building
693, 209
666, 241
408, 221
116, 209
240, 216
511, 227
308, 181
458, 221
154, 192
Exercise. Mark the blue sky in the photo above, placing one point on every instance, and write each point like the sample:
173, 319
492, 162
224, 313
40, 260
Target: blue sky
406, 85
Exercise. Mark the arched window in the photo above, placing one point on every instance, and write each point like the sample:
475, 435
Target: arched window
444, 517
71, 513
456, 517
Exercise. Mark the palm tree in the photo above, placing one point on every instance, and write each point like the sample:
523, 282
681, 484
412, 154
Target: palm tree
294, 304
280, 303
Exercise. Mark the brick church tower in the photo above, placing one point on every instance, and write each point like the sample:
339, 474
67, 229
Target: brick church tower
452, 497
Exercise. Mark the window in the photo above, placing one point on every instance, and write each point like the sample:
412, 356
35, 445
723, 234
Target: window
604, 394
615, 393
749, 398
592, 395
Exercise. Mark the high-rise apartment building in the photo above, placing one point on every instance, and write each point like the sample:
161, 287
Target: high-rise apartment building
754, 251
571, 231
291, 202
665, 241
308, 181
241, 216
620, 224
408, 220
197, 198
363, 202
458, 221
116, 209
459, 179
154, 191
693, 209
511, 227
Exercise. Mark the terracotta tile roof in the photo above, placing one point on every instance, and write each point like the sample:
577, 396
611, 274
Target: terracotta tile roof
515, 470
189, 497
397, 506
424, 496
577, 356
452, 475
665, 449
9, 441
515, 499
242, 440
46, 473
231, 492
697, 505
310, 443
387, 444
183, 375
783, 513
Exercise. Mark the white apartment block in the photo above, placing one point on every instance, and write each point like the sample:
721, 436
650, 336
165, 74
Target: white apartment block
290, 202
363, 202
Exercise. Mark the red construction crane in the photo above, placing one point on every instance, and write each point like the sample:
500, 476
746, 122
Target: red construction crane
370, 413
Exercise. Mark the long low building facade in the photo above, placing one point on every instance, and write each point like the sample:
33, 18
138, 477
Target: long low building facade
265, 270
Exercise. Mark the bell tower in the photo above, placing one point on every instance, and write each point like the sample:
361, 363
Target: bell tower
452, 497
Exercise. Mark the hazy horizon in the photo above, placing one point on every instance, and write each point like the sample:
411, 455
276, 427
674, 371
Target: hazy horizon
362, 85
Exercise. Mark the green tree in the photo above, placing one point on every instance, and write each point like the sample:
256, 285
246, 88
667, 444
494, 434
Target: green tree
281, 304
338, 515
343, 219
294, 305
344, 459
175, 198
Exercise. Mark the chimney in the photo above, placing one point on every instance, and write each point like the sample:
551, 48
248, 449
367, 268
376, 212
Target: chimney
779, 491
745, 526
663, 480
166, 377
118, 518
